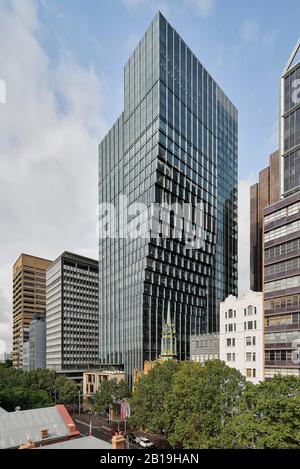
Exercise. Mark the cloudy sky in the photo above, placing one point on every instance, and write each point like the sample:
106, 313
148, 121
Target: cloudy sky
63, 61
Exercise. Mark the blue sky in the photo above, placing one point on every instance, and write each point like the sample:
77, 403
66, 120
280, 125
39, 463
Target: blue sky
62, 61
244, 44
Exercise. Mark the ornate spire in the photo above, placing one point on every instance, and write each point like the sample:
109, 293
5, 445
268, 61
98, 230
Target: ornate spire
168, 338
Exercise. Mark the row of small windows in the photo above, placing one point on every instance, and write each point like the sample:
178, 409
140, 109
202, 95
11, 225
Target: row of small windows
282, 249
282, 231
283, 320
284, 284
282, 337
279, 356
250, 325
283, 213
283, 267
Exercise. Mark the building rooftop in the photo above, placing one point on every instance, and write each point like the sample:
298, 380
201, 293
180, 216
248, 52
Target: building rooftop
17, 428
87, 442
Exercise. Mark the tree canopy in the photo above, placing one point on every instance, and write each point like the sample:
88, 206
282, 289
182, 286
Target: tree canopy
109, 393
212, 406
148, 400
34, 389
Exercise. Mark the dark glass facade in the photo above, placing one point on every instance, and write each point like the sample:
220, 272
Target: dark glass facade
291, 130
175, 143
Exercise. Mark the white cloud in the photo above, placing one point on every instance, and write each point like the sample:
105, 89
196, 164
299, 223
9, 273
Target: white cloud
49, 132
203, 7
251, 32
135, 3
244, 233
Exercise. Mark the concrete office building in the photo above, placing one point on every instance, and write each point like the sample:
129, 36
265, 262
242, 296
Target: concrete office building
205, 347
25, 356
262, 194
174, 143
29, 298
241, 335
72, 319
37, 343
282, 238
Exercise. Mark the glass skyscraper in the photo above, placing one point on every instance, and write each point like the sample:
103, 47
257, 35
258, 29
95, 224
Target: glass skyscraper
175, 143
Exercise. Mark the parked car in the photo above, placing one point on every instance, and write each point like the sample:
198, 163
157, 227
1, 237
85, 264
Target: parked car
131, 438
145, 443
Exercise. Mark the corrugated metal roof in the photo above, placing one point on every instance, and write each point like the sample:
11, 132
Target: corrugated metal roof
16, 428
87, 442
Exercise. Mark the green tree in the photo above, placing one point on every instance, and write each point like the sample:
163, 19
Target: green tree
148, 399
24, 398
67, 392
41, 379
201, 402
109, 393
11, 377
269, 417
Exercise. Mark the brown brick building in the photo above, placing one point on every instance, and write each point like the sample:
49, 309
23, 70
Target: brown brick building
29, 298
266, 192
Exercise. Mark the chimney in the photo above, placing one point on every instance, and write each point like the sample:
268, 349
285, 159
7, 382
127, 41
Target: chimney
44, 434
71, 428
29, 445
118, 441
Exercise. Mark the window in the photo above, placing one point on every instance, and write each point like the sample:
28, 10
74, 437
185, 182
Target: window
230, 314
229, 357
254, 356
253, 340
248, 341
248, 373
254, 373
248, 357
228, 342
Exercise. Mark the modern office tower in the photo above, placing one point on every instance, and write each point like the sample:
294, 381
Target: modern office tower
241, 335
72, 319
205, 347
282, 239
29, 298
37, 343
262, 194
174, 143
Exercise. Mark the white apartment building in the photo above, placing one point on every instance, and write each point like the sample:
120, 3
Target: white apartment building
241, 335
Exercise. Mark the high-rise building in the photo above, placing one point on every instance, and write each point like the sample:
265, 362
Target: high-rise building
282, 238
175, 143
72, 319
262, 194
241, 335
37, 343
29, 298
